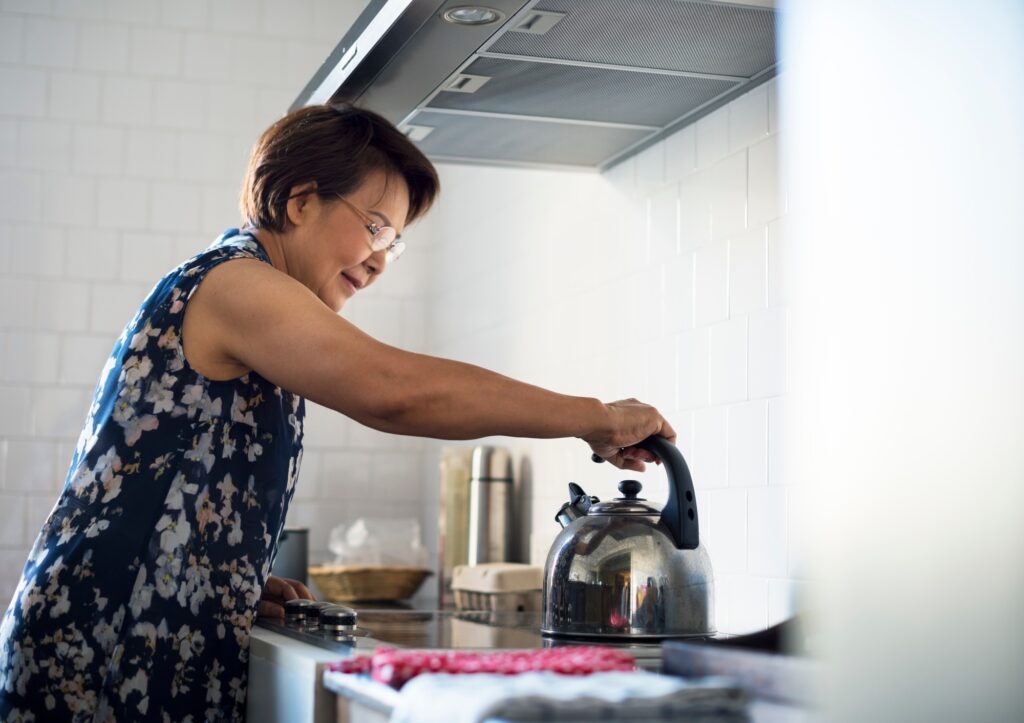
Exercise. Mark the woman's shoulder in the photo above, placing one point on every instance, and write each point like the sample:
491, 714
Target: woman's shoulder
170, 295
233, 243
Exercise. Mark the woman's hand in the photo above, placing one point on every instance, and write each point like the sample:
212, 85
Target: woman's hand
627, 423
277, 592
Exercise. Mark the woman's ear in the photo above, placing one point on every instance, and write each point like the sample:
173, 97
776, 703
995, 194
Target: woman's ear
299, 199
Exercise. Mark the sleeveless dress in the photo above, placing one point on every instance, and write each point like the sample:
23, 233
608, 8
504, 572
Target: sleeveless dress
138, 597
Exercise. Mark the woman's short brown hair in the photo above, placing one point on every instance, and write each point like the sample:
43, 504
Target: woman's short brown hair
337, 146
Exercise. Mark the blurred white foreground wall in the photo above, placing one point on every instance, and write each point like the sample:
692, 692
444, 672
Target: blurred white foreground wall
906, 160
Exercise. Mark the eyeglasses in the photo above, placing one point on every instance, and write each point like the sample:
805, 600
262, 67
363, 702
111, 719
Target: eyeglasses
383, 238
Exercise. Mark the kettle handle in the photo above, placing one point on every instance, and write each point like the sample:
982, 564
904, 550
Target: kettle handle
680, 512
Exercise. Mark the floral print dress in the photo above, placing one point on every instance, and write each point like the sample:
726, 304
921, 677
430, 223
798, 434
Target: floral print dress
138, 597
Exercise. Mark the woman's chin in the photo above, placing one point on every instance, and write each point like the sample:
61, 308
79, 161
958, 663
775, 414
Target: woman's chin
334, 302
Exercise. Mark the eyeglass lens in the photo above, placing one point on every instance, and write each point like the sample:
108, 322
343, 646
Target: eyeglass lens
385, 239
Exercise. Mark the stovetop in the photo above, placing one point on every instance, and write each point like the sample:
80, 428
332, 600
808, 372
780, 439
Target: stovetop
449, 629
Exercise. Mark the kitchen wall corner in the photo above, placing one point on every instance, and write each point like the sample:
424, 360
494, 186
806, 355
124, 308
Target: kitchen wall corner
660, 279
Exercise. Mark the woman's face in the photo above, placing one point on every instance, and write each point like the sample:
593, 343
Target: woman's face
329, 246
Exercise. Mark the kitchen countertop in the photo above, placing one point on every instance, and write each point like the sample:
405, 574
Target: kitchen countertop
779, 684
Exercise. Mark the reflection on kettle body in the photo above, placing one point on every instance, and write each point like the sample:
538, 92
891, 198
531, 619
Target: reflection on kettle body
626, 568
649, 610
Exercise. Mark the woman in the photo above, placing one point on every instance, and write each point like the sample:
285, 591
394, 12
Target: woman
140, 592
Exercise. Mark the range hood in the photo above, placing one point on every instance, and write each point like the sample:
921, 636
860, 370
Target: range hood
582, 84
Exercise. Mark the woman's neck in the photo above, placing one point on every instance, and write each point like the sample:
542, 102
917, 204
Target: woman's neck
273, 243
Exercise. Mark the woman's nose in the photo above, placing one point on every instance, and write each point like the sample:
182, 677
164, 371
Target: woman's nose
376, 263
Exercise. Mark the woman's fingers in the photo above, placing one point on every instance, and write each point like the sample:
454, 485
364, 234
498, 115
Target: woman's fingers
279, 589
628, 423
640, 454
270, 610
620, 460
300, 589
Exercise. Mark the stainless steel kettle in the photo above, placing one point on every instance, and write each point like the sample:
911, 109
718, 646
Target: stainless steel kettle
625, 568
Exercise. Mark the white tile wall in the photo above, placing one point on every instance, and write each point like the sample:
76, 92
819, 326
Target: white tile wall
748, 270
727, 361
8, 141
40, 250
74, 96
26, 91
693, 368
727, 543
44, 145
126, 100
767, 339
728, 191
61, 305
766, 201
748, 118
708, 271
745, 603
124, 132
776, 277
123, 135
748, 444
712, 137
711, 300
767, 528
694, 208
12, 40
102, 47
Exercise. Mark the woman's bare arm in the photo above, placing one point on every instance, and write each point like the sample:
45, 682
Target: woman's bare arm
264, 320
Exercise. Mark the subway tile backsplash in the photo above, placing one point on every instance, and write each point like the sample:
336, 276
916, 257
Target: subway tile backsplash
124, 134
123, 138
689, 315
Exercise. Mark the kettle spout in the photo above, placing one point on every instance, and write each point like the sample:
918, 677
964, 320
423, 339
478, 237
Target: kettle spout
577, 506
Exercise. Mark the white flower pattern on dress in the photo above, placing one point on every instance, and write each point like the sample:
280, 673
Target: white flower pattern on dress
141, 589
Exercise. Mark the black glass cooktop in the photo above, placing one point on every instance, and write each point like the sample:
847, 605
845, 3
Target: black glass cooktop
449, 629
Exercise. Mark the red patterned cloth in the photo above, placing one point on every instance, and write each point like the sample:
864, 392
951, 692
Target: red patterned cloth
395, 667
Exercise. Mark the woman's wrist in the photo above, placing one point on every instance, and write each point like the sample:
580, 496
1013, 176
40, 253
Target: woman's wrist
595, 420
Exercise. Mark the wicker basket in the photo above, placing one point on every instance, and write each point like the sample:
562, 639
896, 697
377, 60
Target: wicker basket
367, 582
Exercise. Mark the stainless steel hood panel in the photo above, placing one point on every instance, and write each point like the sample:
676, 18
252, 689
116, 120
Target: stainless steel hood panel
522, 141
605, 78
695, 37
572, 92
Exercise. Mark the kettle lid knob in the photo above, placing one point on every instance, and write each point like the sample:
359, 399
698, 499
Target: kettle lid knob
630, 489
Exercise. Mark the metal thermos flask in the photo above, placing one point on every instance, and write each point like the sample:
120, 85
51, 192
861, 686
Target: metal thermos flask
491, 492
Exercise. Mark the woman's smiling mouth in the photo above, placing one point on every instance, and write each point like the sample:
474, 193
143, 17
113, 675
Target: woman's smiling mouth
351, 283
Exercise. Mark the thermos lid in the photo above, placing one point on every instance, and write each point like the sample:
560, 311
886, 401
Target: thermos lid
492, 463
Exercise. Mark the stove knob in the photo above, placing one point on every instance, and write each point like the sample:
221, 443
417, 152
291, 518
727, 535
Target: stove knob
297, 612
312, 619
319, 605
338, 618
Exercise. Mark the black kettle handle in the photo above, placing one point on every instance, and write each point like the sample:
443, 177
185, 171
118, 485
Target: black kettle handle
680, 512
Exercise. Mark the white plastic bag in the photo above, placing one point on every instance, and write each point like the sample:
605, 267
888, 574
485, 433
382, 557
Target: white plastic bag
373, 541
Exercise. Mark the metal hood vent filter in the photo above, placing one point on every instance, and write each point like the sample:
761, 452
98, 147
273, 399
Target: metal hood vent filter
515, 141
568, 92
576, 83
695, 37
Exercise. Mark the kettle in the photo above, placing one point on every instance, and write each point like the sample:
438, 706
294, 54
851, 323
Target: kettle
628, 569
